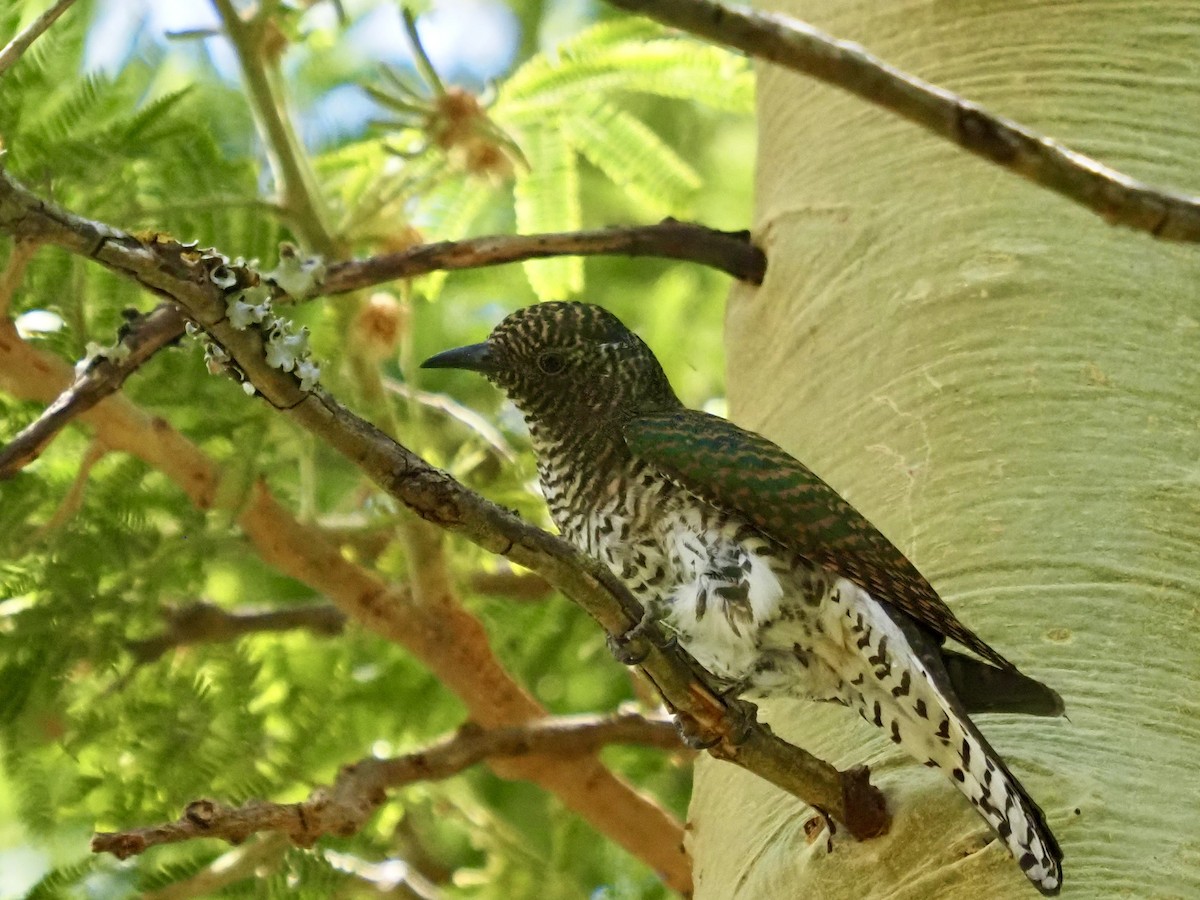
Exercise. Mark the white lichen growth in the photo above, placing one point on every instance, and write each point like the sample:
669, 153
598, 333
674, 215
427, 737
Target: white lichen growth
223, 276
286, 348
296, 275
309, 374
93, 351
288, 351
216, 358
248, 307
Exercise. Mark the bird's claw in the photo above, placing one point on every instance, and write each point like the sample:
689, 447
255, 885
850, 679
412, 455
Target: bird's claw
743, 716
635, 645
693, 735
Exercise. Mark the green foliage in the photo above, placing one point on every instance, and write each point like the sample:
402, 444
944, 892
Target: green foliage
562, 104
92, 556
547, 199
567, 102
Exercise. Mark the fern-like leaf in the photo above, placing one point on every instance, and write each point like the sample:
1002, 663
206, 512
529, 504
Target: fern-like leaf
670, 67
547, 199
53, 885
452, 211
633, 157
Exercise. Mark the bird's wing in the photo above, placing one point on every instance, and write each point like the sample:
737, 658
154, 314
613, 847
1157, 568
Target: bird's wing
739, 470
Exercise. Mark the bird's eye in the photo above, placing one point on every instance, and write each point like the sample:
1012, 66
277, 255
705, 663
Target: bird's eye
551, 363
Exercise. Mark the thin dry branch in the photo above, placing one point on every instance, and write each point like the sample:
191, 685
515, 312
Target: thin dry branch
104, 377
254, 859
166, 268
729, 252
206, 623
1116, 197
14, 49
361, 788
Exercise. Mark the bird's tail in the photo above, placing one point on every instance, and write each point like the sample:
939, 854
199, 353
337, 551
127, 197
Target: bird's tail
956, 747
909, 695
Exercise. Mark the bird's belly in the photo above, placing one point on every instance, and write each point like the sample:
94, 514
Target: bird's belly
750, 615
722, 635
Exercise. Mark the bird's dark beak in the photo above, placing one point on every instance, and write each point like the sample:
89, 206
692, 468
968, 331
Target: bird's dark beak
474, 358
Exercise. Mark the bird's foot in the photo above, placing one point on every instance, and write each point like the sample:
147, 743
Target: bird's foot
635, 644
693, 734
740, 718
743, 717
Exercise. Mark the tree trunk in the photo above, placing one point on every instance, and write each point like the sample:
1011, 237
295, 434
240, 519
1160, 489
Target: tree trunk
1010, 389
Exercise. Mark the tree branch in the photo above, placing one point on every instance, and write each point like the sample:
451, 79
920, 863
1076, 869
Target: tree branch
729, 252
206, 623
14, 49
511, 585
169, 269
361, 788
254, 859
1116, 197
103, 377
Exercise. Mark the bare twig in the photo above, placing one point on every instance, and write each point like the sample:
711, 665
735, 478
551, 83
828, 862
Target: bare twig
729, 251
788, 42
361, 788
104, 377
489, 433
73, 500
206, 623
18, 45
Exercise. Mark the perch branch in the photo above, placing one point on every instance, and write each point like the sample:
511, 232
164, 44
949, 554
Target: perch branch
361, 788
1116, 197
168, 269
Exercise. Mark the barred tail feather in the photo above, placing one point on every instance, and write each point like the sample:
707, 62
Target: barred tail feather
984, 779
908, 694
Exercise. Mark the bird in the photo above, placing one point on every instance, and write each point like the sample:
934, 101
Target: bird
772, 581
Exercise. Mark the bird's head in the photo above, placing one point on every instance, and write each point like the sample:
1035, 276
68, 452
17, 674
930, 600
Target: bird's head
568, 364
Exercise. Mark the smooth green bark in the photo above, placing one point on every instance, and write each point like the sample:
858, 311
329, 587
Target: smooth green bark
1010, 389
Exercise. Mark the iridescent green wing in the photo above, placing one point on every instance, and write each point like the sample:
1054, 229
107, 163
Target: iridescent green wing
738, 470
